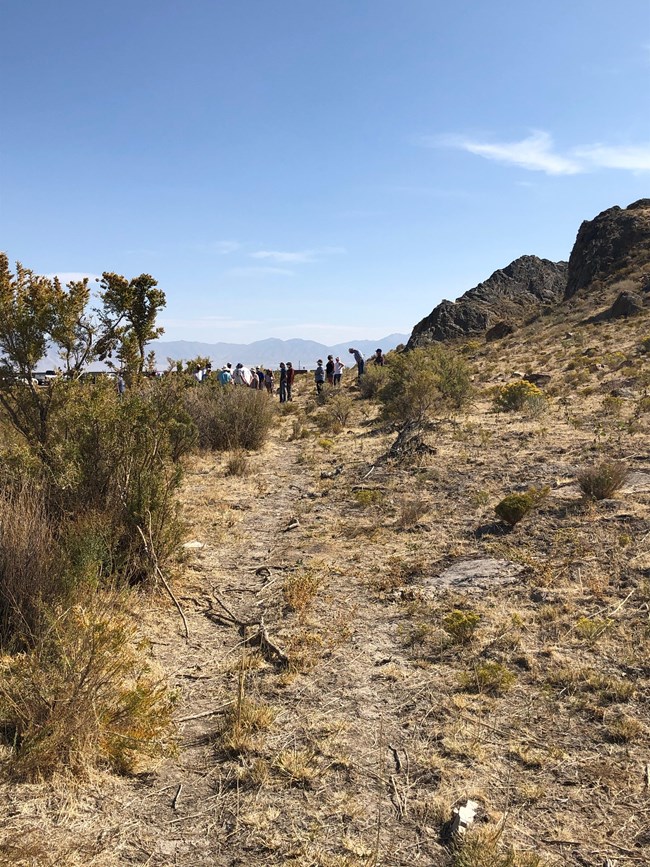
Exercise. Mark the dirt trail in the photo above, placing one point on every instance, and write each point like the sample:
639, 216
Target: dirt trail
333, 720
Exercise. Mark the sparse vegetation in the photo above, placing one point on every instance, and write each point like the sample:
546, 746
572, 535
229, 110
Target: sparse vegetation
601, 481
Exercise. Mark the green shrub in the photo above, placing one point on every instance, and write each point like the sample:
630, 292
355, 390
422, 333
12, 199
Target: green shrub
491, 678
601, 482
515, 395
372, 381
337, 409
461, 625
82, 696
513, 508
368, 496
108, 474
230, 418
424, 380
590, 629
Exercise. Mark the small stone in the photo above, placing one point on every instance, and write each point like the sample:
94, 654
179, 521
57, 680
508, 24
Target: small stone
194, 545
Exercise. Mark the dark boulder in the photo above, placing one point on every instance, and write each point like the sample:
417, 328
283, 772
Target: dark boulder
627, 304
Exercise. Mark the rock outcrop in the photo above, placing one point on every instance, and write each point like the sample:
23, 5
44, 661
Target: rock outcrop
613, 245
523, 288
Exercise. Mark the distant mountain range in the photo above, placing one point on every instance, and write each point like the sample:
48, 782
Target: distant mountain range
270, 352
267, 353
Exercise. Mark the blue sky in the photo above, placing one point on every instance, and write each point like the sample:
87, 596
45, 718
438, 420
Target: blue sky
301, 168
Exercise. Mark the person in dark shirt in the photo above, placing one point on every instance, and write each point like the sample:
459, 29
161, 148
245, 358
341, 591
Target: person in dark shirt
379, 358
283, 382
329, 370
290, 377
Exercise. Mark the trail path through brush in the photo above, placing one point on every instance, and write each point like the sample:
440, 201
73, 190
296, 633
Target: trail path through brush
333, 721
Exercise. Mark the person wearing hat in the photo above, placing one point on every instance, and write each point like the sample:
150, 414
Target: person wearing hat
224, 376
319, 375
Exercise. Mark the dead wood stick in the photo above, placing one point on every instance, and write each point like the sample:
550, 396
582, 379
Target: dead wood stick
220, 709
614, 610
179, 789
397, 800
261, 638
647, 776
227, 610
151, 552
267, 646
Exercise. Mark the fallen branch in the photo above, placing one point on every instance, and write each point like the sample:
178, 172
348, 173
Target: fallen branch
221, 709
151, 553
269, 649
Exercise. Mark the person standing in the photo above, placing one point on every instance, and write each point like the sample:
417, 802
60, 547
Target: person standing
224, 376
269, 382
329, 370
291, 373
358, 357
339, 367
283, 382
319, 375
379, 358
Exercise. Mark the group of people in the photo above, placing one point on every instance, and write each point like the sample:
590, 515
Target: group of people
333, 370
332, 373
264, 378
257, 378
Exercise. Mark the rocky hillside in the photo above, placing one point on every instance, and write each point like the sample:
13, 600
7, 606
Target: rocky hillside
522, 288
611, 252
614, 245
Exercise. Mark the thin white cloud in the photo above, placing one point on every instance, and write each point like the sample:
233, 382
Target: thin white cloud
255, 271
298, 256
634, 158
537, 153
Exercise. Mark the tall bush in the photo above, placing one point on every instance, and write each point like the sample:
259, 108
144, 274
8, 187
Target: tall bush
231, 417
425, 380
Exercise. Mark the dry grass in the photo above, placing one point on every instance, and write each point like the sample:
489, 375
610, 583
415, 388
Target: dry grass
603, 480
83, 695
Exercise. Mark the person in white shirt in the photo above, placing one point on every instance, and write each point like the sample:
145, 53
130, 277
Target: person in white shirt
339, 367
